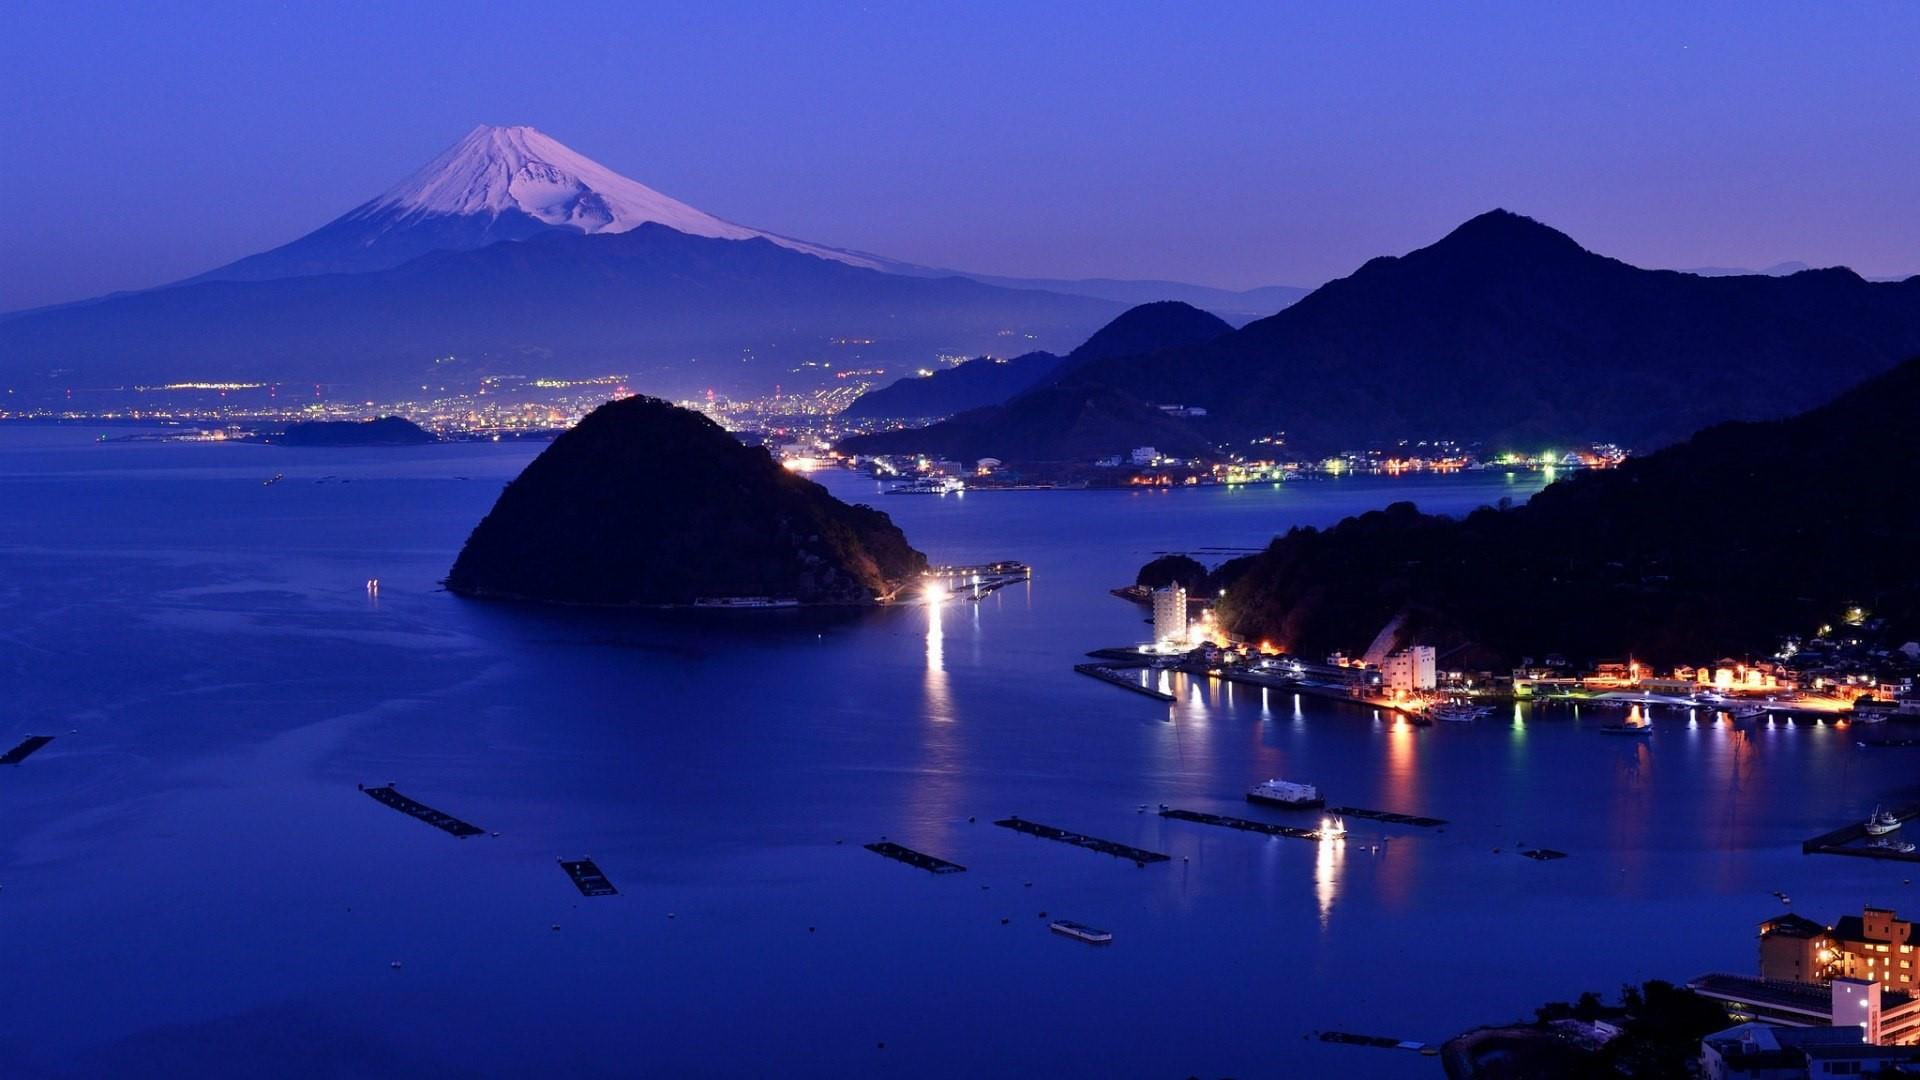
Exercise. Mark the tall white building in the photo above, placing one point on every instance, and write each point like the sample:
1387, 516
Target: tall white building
1170, 615
1409, 669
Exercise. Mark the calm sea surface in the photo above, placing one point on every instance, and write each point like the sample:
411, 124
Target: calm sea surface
191, 883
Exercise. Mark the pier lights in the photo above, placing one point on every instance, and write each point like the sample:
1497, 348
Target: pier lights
934, 592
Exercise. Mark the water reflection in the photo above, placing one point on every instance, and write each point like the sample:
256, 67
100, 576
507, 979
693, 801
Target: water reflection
939, 696
1327, 861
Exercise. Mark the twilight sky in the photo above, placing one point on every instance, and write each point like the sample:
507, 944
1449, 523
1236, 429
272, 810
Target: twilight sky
1232, 145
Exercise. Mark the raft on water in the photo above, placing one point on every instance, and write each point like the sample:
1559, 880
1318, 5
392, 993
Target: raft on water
1544, 854
27, 746
1388, 816
587, 877
1244, 825
1091, 843
428, 814
930, 863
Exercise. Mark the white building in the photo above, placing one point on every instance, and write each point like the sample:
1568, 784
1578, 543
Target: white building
1409, 670
1144, 455
1170, 615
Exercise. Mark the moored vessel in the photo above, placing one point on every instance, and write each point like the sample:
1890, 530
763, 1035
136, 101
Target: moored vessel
1286, 793
1082, 932
1882, 822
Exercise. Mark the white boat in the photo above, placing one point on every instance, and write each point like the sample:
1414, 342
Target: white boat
1888, 843
1331, 828
1081, 932
1285, 793
1882, 822
1457, 712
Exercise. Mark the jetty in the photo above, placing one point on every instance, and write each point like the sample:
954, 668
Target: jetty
932, 864
1140, 856
587, 877
1380, 1041
27, 746
1388, 816
1243, 824
1111, 675
1853, 840
387, 796
1545, 854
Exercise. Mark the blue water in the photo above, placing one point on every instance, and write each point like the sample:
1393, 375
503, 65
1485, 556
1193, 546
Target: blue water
191, 883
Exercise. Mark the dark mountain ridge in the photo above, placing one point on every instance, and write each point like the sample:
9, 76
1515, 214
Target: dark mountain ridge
982, 381
1508, 332
1716, 546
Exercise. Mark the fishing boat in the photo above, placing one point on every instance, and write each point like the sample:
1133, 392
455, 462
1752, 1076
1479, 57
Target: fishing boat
1286, 793
1888, 843
1642, 728
1882, 822
1458, 712
1081, 932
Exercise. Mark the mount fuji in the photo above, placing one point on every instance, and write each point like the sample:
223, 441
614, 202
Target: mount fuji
498, 183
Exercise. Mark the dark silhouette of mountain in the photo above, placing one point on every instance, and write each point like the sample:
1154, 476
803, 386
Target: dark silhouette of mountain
644, 503
1048, 424
1715, 546
1086, 421
982, 381
1507, 331
676, 312
1237, 306
386, 431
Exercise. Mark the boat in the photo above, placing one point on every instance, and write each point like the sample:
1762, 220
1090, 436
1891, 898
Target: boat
1888, 843
1882, 822
1458, 712
1627, 729
1331, 828
931, 485
745, 602
1285, 793
1081, 932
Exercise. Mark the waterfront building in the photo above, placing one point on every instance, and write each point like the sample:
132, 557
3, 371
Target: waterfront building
1170, 615
1876, 946
1755, 1051
1885, 1017
1144, 455
1410, 670
1797, 949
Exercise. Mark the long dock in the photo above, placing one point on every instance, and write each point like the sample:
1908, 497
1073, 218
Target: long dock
1108, 675
447, 822
1388, 816
1852, 840
587, 877
27, 746
899, 852
1091, 843
1380, 1041
1243, 824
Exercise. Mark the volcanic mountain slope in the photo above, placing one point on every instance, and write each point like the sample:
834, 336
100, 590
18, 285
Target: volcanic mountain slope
643, 503
1509, 332
1644, 559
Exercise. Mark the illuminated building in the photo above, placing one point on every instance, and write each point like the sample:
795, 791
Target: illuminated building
1170, 615
1409, 670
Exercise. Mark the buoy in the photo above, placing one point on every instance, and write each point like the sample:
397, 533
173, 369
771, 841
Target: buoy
396, 964
556, 926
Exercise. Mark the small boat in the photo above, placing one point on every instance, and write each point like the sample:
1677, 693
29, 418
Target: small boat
1081, 932
1285, 793
734, 602
1888, 843
1882, 822
1331, 828
1642, 728
1457, 712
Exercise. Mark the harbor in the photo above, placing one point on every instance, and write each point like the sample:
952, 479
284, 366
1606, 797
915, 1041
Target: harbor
1117, 677
1866, 840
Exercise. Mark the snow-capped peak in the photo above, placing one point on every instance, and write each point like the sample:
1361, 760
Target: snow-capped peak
494, 170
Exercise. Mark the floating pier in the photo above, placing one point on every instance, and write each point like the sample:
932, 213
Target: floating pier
930, 863
1388, 816
1243, 824
587, 877
1544, 854
447, 822
1109, 675
1091, 843
1379, 1041
27, 746
1852, 840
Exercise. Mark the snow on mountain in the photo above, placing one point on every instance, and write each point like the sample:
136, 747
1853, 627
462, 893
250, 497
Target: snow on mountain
494, 170
497, 183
